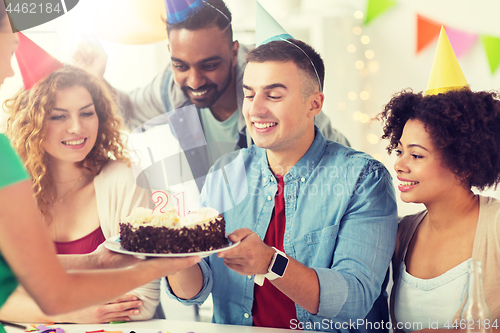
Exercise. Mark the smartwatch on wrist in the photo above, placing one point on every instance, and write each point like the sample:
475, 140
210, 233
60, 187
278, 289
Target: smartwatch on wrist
276, 269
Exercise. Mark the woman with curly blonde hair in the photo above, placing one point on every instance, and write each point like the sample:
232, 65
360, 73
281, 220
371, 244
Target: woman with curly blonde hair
31, 115
67, 133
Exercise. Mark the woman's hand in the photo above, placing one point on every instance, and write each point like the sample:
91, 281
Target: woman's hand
118, 310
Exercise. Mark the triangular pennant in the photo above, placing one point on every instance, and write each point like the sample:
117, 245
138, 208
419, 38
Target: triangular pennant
427, 31
492, 47
377, 7
461, 41
267, 28
34, 62
446, 74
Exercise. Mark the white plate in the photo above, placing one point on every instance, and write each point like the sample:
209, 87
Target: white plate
113, 244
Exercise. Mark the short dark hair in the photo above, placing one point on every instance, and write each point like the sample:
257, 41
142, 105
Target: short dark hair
463, 125
210, 14
300, 53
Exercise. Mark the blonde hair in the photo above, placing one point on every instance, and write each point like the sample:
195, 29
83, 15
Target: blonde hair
28, 112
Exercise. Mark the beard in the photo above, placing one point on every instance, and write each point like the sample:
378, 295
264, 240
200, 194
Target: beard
214, 92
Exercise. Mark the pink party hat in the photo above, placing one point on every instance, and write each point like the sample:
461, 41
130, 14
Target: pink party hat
34, 62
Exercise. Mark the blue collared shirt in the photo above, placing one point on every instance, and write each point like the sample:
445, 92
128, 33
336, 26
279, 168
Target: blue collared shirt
341, 220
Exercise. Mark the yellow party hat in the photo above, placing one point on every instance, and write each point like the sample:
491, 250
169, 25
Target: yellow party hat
446, 74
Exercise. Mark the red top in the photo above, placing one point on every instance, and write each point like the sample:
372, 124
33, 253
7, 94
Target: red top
86, 244
272, 308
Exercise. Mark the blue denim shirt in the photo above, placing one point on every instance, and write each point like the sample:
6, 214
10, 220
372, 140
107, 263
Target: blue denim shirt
341, 220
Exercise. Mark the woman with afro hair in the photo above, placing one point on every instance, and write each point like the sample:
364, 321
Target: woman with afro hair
447, 142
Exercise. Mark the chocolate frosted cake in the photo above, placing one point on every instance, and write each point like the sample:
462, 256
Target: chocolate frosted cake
145, 232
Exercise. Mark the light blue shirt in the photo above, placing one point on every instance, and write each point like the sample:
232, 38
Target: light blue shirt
341, 220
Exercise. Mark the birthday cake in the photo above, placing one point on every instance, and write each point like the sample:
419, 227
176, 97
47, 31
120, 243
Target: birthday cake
147, 232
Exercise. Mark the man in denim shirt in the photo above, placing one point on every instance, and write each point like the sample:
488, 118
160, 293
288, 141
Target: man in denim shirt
317, 218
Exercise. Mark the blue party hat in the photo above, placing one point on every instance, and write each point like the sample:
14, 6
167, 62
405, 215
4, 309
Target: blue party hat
179, 10
267, 29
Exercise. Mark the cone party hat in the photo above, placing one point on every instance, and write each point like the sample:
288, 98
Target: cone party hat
179, 10
446, 74
34, 62
267, 30
266, 27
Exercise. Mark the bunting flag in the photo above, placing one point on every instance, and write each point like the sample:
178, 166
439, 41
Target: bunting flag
377, 7
492, 47
427, 31
460, 40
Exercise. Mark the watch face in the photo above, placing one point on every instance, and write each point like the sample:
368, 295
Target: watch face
280, 265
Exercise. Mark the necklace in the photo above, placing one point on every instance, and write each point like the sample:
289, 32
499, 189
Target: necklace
67, 181
54, 203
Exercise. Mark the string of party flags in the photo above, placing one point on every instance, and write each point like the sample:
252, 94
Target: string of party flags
428, 32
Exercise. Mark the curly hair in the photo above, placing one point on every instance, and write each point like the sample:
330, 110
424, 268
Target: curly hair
463, 125
28, 112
